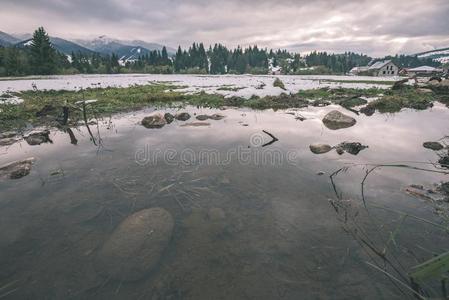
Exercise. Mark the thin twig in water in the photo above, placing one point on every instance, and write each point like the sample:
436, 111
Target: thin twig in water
397, 280
274, 139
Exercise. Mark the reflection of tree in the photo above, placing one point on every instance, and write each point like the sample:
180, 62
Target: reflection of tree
73, 139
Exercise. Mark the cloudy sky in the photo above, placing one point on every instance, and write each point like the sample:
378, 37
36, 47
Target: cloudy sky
374, 27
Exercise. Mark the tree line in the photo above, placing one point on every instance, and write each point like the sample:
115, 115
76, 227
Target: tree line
40, 57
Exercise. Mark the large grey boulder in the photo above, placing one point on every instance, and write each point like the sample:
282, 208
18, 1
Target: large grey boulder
136, 245
336, 120
154, 121
16, 169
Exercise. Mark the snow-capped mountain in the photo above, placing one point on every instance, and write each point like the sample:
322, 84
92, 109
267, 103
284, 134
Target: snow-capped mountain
440, 55
63, 46
106, 45
127, 51
7, 39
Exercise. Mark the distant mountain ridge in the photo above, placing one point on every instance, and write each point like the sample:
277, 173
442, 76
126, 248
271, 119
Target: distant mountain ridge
440, 55
7, 39
106, 45
63, 46
125, 50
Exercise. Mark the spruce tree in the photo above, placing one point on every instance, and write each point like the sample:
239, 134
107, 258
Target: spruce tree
43, 55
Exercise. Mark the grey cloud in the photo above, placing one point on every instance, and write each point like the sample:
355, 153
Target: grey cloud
300, 25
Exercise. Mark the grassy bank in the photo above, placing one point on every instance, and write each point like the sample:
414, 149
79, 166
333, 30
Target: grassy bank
45, 107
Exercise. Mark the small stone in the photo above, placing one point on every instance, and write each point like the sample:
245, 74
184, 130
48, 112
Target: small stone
7, 141
368, 110
336, 120
202, 117
425, 91
136, 245
195, 124
320, 173
320, 148
8, 134
216, 117
38, 137
182, 116
154, 121
433, 146
353, 148
169, 118
17, 169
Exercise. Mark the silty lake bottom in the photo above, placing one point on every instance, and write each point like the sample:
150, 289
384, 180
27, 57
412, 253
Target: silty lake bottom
250, 222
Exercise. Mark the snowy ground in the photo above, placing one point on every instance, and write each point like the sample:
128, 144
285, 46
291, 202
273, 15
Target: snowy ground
230, 85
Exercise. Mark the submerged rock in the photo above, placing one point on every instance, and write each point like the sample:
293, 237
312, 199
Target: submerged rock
17, 169
336, 120
136, 245
320, 148
38, 137
8, 134
8, 141
182, 116
436, 146
353, 148
202, 117
195, 124
169, 118
368, 110
216, 117
154, 121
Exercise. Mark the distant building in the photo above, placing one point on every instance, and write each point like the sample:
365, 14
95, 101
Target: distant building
380, 68
275, 70
424, 71
359, 71
383, 68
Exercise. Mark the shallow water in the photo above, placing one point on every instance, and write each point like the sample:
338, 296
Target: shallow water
280, 237
247, 85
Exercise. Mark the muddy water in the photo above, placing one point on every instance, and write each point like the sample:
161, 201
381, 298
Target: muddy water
251, 222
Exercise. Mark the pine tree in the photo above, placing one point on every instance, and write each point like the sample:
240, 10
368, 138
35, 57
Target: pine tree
43, 55
164, 54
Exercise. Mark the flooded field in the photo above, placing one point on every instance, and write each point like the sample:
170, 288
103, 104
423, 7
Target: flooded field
251, 212
232, 85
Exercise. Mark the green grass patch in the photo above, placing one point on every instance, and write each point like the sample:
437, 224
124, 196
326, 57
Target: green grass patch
44, 107
407, 97
278, 83
230, 88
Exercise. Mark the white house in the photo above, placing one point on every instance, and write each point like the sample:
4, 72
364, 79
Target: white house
380, 68
358, 71
383, 68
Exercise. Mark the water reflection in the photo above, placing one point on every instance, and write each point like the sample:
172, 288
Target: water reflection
242, 230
